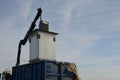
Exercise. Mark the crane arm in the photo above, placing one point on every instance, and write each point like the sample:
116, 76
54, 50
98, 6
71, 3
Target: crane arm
23, 41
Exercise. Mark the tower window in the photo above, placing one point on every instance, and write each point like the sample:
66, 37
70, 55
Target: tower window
54, 39
29, 40
38, 36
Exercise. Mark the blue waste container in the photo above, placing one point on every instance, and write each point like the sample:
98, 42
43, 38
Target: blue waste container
43, 70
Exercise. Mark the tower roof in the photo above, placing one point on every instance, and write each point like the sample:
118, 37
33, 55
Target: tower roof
39, 30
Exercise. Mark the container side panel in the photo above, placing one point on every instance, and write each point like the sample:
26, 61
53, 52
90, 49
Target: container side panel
22, 71
14, 73
51, 78
28, 72
52, 68
34, 72
19, 73
38, 65
68, 78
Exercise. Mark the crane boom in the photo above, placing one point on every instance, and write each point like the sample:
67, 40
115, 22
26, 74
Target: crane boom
23, 41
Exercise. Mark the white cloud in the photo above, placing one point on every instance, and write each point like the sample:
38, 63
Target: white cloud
24, 8
109, 73
65, 12
99, 61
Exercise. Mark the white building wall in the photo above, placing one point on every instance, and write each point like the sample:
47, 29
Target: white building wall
46, 46
34, 46
42, 48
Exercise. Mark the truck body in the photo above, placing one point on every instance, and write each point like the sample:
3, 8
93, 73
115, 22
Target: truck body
0, 76
6, 75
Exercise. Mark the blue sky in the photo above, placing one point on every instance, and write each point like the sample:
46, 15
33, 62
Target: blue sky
88, 33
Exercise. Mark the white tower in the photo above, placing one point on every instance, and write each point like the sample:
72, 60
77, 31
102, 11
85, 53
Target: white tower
42, 43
